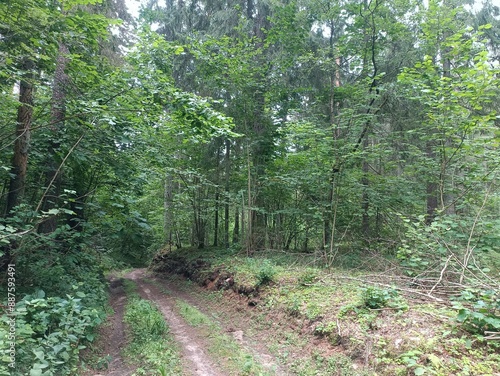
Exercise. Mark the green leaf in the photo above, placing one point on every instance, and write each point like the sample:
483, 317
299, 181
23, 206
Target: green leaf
39, 355
419, 371
463, 314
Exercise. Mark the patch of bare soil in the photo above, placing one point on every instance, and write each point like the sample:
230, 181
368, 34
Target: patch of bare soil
112, 338
261, 331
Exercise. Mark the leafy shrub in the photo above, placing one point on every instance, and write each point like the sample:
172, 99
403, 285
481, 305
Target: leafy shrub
375, 298
265, 273
479, 310
324, 329
426, 247
308, 277
50, 333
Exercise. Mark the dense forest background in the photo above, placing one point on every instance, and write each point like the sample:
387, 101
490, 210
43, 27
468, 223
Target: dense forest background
351, 130
358, 127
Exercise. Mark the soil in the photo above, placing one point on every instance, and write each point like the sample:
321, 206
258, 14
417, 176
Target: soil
112, 337
194, 348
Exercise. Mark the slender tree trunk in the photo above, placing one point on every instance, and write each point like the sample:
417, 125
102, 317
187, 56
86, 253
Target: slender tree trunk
333, 112
226, 190
216, 219
167, 207
17, 182
236, 230
431, 187
53, 174
217, 196
365, 199
447, 196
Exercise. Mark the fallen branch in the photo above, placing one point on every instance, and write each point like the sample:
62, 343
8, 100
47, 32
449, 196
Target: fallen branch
492, 336
410, 291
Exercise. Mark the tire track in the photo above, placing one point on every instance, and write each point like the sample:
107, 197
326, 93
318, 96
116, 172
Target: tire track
196, 361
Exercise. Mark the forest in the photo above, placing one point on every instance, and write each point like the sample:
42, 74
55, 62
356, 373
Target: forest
265, 141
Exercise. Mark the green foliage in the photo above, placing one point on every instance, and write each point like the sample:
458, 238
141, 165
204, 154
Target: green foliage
265, 273
479, 310
150, 343
146, 322
255, 271
50, 332
411, 360
426, 247
376, 298
308, 277
325, 329
53, 326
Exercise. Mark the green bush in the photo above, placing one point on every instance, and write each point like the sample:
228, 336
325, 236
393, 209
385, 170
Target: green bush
479, 310
308, 277
265, 273
376, 298
50, 332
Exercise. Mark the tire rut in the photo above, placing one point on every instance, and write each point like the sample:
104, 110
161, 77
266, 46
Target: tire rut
113, 335
195, 359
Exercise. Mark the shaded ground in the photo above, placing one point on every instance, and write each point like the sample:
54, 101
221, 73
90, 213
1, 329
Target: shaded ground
305, 323
194, 347
318, 322
112, 338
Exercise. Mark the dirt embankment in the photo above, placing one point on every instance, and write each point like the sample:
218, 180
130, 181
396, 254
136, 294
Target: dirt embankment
200, 271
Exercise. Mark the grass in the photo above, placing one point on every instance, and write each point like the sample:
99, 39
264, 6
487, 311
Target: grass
235, 359
369, 330
150, 343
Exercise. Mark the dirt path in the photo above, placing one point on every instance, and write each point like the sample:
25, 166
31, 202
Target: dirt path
195, 358
192, 343
112, 336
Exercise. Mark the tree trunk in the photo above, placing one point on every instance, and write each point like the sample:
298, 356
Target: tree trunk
226, 190
53, 174
167, 207
365, 199
216, 219
432, 189
236, 230
17, 182
447, 196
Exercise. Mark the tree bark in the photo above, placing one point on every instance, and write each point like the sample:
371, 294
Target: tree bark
167, 207
17, 182
53, 174
216, 219
227, 167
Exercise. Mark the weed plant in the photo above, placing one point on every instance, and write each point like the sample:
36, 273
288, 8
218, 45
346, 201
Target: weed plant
149, 340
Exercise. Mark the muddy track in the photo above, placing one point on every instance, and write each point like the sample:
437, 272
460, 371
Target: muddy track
193, 345
112, 335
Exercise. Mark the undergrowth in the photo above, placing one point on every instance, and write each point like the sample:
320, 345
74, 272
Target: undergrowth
60, 301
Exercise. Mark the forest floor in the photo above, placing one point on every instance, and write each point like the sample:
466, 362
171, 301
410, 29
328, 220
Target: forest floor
198, 354
241, 316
